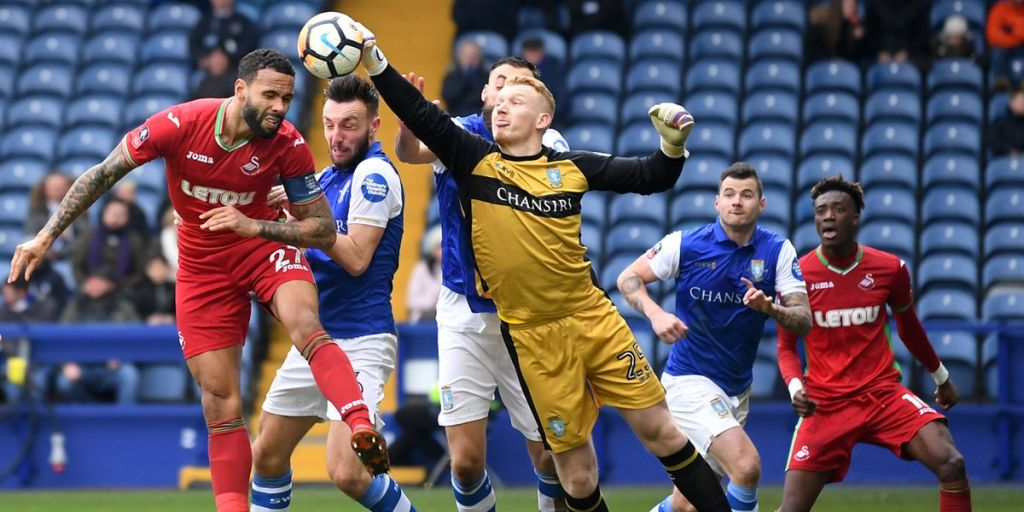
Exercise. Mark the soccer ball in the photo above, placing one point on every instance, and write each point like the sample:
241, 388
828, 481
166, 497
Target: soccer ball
329, 45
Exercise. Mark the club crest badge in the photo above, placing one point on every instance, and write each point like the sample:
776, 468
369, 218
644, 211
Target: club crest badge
719, 406
757, 269
555, 177
447, 398
867, 283
557, 426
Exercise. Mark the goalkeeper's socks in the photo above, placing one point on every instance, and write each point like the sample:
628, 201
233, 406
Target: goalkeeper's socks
550, 496
593, 503
741, 499
955, 496
337, 381
272, 494
475, 497
230, 464
664, 505
694, 478
385, 495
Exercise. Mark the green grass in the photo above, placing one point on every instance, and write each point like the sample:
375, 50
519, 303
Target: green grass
841, 498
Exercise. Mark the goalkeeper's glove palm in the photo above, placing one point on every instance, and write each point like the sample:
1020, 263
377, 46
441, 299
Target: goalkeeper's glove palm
373, 59
674, 124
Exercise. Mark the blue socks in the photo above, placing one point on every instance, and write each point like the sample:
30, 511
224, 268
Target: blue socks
549, 492
271, 494
741, 498
385, 495
477, 497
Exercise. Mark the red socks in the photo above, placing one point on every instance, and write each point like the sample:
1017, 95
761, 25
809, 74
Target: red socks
955, 496
230, 464
337, 381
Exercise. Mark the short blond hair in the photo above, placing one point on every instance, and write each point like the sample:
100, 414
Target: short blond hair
537, 85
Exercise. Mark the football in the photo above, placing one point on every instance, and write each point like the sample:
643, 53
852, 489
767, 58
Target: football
329, 45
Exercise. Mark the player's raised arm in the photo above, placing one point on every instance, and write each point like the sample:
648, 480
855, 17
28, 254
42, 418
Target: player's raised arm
408, 148
632, 282
82, 194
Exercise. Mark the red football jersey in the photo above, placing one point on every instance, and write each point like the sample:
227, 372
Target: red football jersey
848, 347
203, 173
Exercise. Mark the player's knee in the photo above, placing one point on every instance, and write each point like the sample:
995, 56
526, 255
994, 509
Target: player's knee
579, 483
952, 467
352, 481
467, 469
746, 471
543, 461
221, 401
268, 462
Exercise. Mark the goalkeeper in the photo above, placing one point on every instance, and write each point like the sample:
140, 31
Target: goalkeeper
571, 349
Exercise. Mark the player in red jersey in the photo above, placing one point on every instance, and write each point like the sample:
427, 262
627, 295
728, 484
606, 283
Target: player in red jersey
223, 156
850, 392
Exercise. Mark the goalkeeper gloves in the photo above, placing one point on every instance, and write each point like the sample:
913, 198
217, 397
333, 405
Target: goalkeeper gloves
674, 124
373, 59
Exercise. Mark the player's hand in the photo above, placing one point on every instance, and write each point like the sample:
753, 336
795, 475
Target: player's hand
674, 125
419, 83
228, 217
946, 395
178, 221
756, 299
668, 327
27, 257
803, 405
373, 59
277, 196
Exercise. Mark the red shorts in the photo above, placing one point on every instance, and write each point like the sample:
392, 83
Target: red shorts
888, 416
216, 283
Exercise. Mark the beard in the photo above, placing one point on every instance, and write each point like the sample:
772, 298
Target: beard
255, 121
487, 113
358, 156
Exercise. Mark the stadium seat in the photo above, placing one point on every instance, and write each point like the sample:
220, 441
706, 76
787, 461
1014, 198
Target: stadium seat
950, 237
955, 74
720, 14
776, 44
594, 107
10, 49
990, 365
162, 78
172, 46
593, 209
595, 75
116, 47
952, 204
166, 383
126, 17
821, 166
554, 46
784, 14
890, 137
972, 10
949, 270
832, 106
893, 105
634, 208
63, 17
137, 110
151, 176
889, 203
766, 378
1007, 238
76, 167
493, 44
15, 19
631, 240
701, 172
713, 74
640, 139
711, 106
104, 78
590, 137
592, 238
86, 141
946, 304
35, 110
104, 110
955, 106
51, 79
13, 208
951, 170
598, 44
889, 169
288, 14
150, 202
957, 138
998, 103
35, 142
893, 75
833, 75
613, 266
10, 237
892, 236
667, 15
21, 174
773, 75
1005, 269
654, 75
1005, 170
712, 139
775, 171
1004, 205
716, 44
1003, 305
772, 106
829, 137
958, 352
777, 206
765, 138
7, 75
693, 208
635, 108
806, 238
53, 47
657, 43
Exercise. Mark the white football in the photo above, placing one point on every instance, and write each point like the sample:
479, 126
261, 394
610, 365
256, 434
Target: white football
329, 45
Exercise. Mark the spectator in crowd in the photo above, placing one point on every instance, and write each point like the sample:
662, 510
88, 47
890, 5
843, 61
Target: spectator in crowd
20, 305
587, 15
551, 72
99, 300
465, 80
219, 79
898, 31
48, 284
835, 30
425, 282
499, 16
154, 295
44, 199
1006, 136
1005, 34
954, 41
218, 42
169, 240
127, 191
111, 248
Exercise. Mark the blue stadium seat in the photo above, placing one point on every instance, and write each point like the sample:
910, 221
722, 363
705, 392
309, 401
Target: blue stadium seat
173, 46
631, 239
955, 74
1005, 269
972, 10
68, 18
15, 19
10, 49
150, 202
76, 167
998, 104
990, 364
590, 137
702, 172
1005, 170
693, 208
761, 138
806, 238
640, 139
137, 110
126, 17
166, 383
785, 14
53, 47
947, 304
104, 78
776, 44
665, 15
654, 75
52, 79
829, 137
958, 351
950, 203
1007, 238
13, 208
10, 237
161, 78
951, 170
635, 108
777, 206
712, 106
833, 75
288, 14
955, 106
889, 235
950, 237
773, 75
613, 266
956, 138
35, 142
86, 141
890, 137
1004, 205
893, 105
832, 106
717, 75
554, 46
773, 224
713, 139
889, 169
104, 110
657, 43
21, 173
633, 208
492, 44
594, 107
594, 75
950, 270
766, 369
894, 75
35, 110
1003, 305
775, 171
820, 166
151, 176
720, 14
7, 74
593, 209
592, 238
716, 44
116, 47
598, 44
889, 203
770, 106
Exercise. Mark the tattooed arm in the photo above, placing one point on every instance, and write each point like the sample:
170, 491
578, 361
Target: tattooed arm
632, 283
82, 194
313, 227
795, 313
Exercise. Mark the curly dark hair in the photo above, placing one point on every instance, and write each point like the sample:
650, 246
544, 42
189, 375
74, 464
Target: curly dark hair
517, 62
839, 183
263, 58
353, 87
